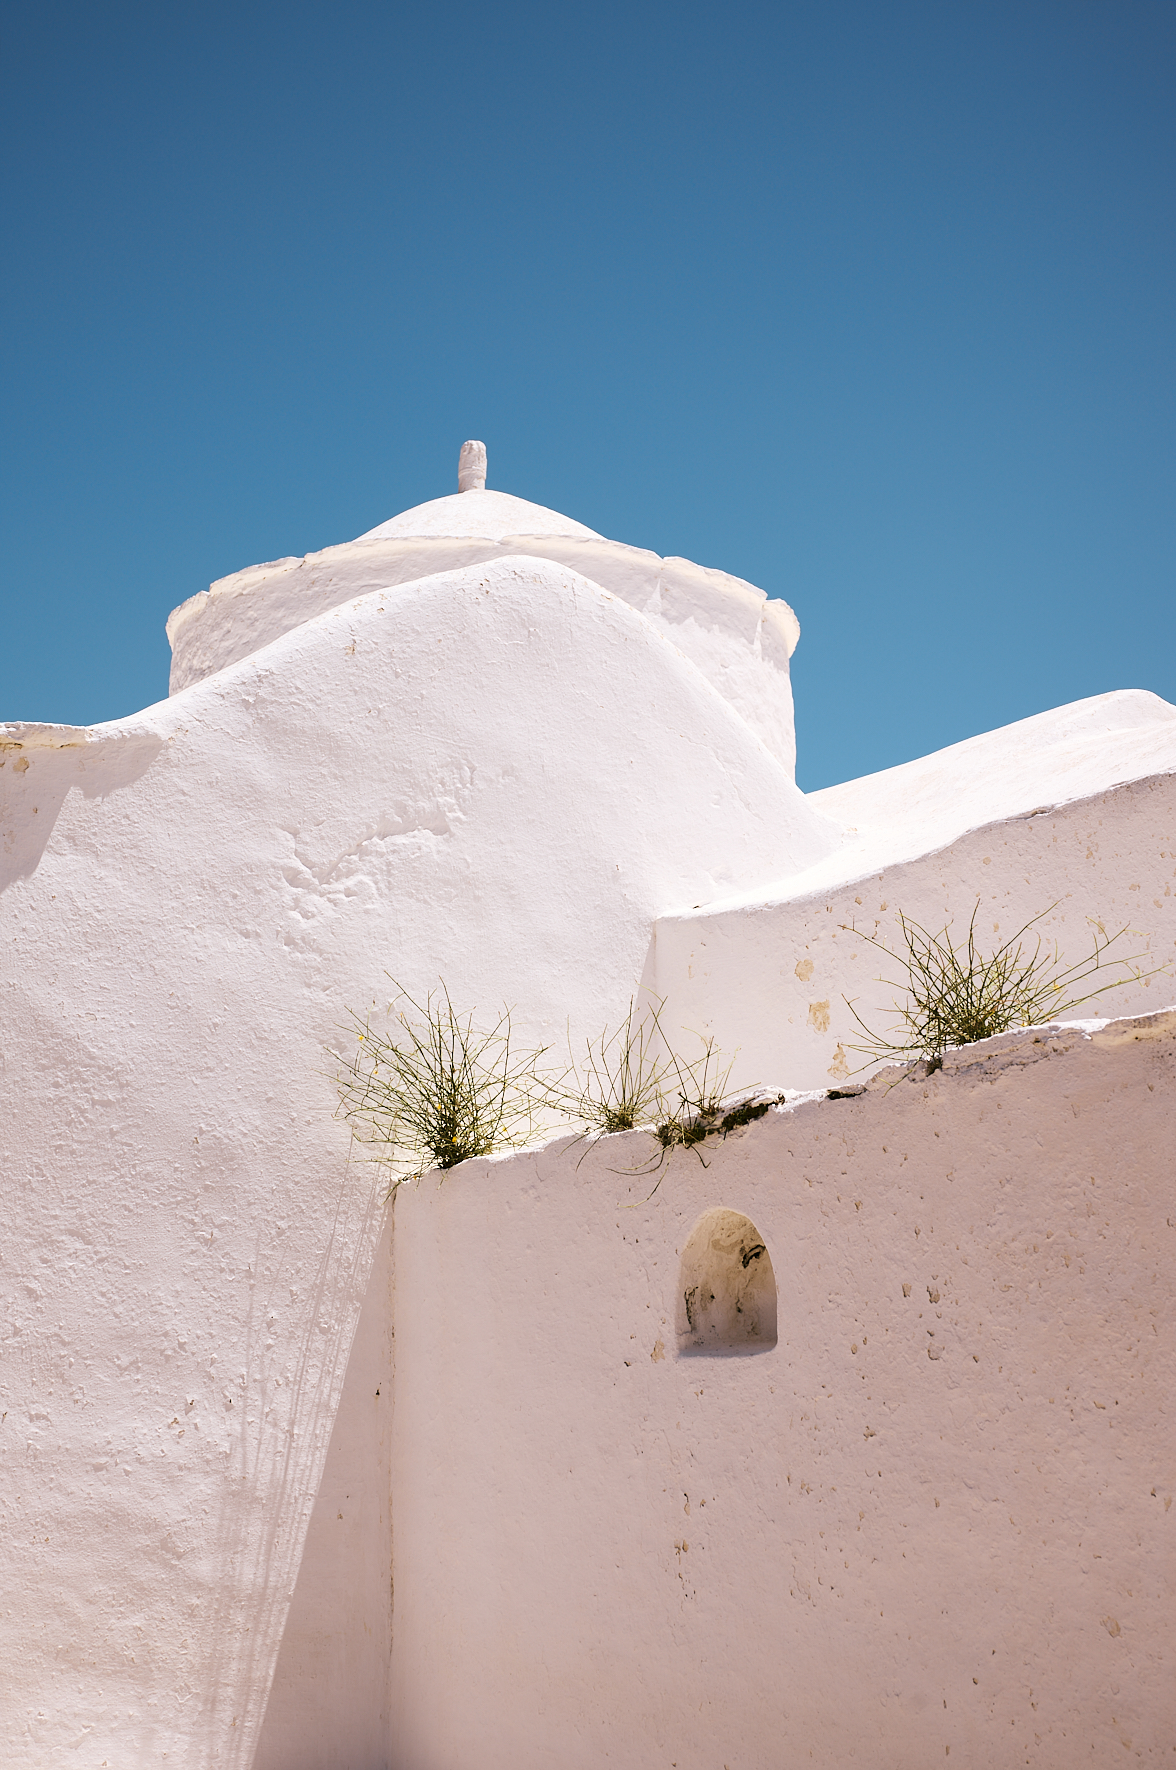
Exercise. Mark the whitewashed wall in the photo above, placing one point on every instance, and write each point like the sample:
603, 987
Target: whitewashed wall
501, 775
1072, 813
731, 631
475, 777
932, 1524
328, 1706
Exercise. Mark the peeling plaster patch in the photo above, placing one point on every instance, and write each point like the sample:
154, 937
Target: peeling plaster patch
839, 1068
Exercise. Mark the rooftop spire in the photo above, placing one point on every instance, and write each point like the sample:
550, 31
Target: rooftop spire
471, 467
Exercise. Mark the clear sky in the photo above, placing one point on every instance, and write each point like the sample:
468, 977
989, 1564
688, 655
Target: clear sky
869, 301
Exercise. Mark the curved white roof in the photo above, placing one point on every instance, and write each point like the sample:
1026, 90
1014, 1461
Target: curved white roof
728, 629
479, 516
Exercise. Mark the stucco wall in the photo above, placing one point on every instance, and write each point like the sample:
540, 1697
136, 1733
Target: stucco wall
731, 631
772, 979
502, 775
932, 1524
423, 782
328, 1703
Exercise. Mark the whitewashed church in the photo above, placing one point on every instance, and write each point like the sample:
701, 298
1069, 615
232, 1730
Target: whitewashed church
298, 1478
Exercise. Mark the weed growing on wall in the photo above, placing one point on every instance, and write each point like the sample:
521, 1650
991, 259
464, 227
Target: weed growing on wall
634, 1079
696, 1100
699, 1106
620, 1082
955, 994
436, 1090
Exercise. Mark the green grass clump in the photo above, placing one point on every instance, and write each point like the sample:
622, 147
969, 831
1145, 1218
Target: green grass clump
619, 1084
955, 994
436, 1090
634, 1079
703, 1107
696, 1101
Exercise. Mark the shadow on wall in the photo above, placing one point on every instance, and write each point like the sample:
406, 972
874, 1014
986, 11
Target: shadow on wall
328, 1703
726, 1287
36, 776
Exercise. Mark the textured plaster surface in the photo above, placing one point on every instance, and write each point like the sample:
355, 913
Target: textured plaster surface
932, 1525
464, 778
484, 744
771, 975
1020, 770
328, 1704
739, 639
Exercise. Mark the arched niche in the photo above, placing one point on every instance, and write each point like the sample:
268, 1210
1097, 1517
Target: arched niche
726, 1287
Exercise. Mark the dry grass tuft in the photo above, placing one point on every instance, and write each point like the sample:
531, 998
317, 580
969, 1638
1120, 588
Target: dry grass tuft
955, 995
436, 1090
619, 1084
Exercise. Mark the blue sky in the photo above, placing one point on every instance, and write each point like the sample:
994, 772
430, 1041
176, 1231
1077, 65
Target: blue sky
871, 303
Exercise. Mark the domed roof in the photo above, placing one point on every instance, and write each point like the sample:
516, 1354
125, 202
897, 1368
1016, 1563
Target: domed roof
478, 516
731, 632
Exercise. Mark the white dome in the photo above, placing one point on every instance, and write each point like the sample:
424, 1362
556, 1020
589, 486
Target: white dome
479, 516
731, 632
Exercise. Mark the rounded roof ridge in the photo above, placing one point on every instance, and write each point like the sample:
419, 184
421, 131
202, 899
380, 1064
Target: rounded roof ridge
477, 515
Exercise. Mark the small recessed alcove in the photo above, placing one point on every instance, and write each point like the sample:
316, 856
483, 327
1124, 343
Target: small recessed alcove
726, 1287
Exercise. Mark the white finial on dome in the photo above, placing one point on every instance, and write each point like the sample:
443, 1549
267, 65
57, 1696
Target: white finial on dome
471, 467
